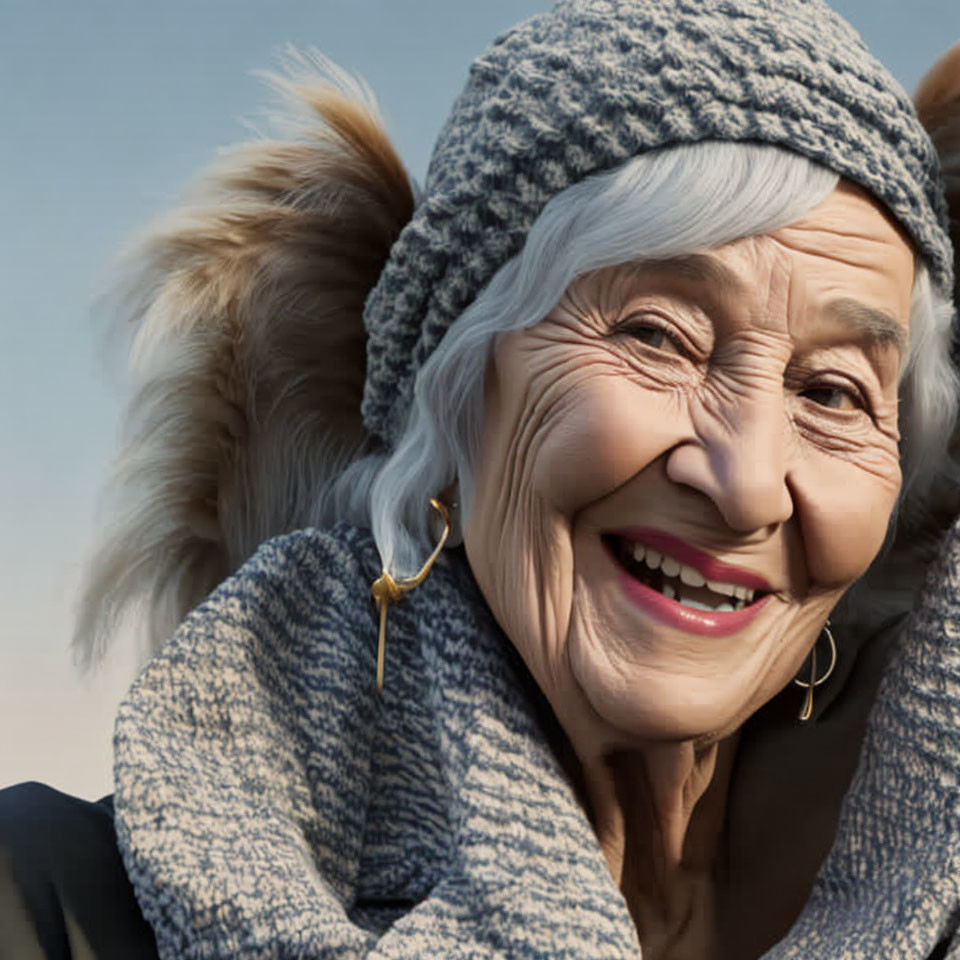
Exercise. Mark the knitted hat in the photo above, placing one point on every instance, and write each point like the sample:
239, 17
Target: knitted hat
595, 82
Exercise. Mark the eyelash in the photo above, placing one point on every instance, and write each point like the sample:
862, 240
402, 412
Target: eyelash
852, 390
643, 322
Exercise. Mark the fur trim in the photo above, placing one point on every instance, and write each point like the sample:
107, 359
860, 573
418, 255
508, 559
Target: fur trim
249, 354
938, 104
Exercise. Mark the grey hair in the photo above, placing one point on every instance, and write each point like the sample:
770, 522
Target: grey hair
667, 203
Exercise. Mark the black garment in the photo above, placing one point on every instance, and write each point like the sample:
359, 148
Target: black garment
64, 894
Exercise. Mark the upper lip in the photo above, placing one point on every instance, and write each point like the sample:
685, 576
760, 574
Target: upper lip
707, 565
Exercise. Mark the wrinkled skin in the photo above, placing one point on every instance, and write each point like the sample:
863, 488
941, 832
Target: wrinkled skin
739, 401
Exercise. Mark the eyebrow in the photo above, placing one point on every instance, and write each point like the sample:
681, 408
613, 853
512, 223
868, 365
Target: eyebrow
700, 268
879, 328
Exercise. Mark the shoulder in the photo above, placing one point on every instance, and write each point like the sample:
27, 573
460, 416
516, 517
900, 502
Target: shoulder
298, 609
288, 639
296, 577
256, 720
338, 556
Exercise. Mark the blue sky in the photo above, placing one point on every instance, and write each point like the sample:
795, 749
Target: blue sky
109, 108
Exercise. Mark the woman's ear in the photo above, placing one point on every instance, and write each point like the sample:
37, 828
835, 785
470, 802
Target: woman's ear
938, 104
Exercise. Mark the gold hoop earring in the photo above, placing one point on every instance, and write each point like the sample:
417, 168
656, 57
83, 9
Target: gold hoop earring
806, 711
386, 590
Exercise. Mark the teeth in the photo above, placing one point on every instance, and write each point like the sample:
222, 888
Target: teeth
697, 605
669, 566
690, 576
727, 589
739, 596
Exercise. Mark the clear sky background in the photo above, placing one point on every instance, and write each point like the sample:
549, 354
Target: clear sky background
108, 108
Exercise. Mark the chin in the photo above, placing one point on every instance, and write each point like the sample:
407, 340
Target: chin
660, 706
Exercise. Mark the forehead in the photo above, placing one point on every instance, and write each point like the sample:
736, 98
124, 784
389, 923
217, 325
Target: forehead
845, 265
846, 258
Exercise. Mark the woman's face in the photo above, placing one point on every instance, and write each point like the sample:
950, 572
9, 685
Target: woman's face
729, 417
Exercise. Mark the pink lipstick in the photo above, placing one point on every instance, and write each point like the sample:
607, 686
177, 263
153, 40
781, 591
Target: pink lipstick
709, 566
640, 584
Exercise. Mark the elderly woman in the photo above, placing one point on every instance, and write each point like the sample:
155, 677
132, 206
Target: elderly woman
661, 357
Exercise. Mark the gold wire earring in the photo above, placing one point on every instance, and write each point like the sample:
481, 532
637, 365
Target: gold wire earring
806, 711
386, 590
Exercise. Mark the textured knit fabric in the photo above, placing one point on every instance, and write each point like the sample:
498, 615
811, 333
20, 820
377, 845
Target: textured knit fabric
595, 82
270, 805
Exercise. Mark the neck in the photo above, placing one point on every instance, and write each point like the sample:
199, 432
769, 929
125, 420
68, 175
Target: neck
658, 811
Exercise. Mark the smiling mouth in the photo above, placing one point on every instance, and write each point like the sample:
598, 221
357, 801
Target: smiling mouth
679, 581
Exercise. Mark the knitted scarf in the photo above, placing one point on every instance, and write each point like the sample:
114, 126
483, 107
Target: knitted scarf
269, 804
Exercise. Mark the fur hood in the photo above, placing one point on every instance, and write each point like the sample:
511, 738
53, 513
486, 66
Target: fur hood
248, 355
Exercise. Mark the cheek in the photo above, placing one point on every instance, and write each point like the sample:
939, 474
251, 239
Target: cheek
607, 430
844, 512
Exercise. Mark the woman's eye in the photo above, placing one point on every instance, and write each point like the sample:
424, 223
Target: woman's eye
651, 336
837, 398
650, 333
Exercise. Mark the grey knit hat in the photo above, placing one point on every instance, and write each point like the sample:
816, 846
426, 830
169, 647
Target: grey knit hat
595, 82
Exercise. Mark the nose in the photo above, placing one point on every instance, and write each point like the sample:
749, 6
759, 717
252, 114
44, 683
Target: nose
738, 458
